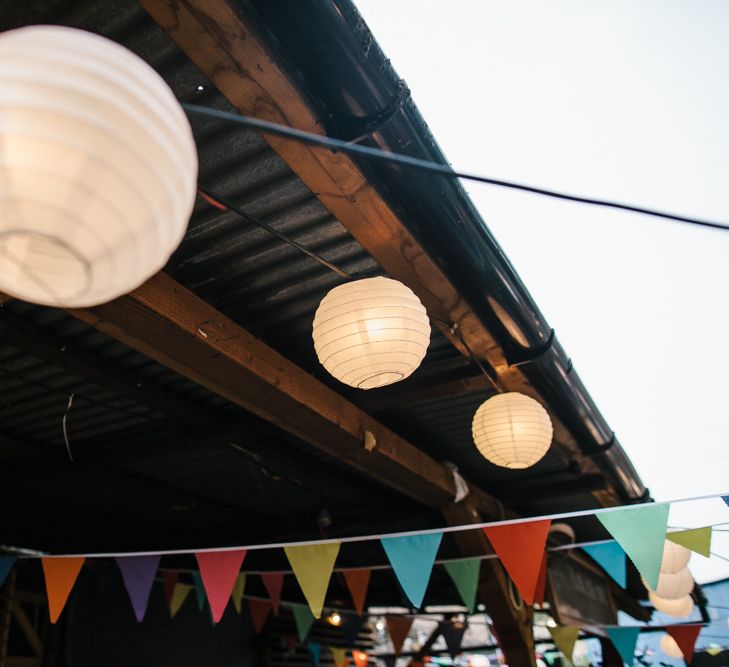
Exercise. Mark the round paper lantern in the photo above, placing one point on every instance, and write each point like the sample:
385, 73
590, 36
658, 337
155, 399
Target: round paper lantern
675, 557
98, 168
679, 608
512, 430
370, 333
673, 586
670, 647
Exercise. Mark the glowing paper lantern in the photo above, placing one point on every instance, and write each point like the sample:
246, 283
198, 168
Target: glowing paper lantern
675, 557
679, 608
673, 586
370, 333
670, 647
98, 168
512, 430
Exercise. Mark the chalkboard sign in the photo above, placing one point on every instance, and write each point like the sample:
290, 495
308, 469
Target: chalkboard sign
579, 593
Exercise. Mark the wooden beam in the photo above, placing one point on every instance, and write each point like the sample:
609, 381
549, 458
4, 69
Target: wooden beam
247, 74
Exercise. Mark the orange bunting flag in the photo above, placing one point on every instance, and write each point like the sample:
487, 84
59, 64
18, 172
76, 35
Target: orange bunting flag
541, 590
360, 658
358, 581
399, 629
685, 636
60, 575
273, 581
219, 571
520, 547
259, 611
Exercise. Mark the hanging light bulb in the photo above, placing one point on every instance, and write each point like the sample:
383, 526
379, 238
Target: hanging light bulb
334, 619
512, 430
673, 586
670, 647
370, 333
679, 608
98, 170
675, 557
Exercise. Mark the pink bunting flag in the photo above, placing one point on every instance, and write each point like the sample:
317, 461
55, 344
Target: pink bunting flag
273, 581
219, 571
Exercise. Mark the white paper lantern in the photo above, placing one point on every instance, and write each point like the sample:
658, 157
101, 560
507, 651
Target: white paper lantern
670, 647
512, 430
675, 557
370, 333
98, 168
679, 608
673, 586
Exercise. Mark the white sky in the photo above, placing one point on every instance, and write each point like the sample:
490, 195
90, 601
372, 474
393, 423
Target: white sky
628, 100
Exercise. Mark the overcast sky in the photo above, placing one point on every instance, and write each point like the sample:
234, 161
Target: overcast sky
628, 100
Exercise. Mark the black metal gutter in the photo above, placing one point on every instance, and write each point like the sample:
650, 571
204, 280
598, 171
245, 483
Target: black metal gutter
352, 85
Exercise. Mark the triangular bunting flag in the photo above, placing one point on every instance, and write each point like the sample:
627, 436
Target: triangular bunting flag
6, 564
314, 653
358, 582
725, 499
611, 558
339, 655
624, 641
685, 636
540, 591
237, 593
179, 595
259, 611
273, 581
520, 547
696, 539
464, 574
60, 575
360, 658
312, 565
412, 559
199, 590
399, 628
169, 581
641, 531
219, 570
453, 635
304, 620
138, 573
565, 638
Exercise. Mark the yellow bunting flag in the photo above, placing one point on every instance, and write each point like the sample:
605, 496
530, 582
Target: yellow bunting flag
312, 565
339, 655
60, 575
565, 638
237, 593
179, 595
697, 539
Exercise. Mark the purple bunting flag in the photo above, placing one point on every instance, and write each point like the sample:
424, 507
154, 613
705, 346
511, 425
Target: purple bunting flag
138, 574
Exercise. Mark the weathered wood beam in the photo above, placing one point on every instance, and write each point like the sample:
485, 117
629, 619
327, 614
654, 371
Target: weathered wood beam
225, 46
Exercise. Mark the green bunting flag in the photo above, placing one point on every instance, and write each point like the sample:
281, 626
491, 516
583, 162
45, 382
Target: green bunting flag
624, 640
565, 638
304, 620
179, 595
236, 595
697, 539
641, 532
312, 566
465, 576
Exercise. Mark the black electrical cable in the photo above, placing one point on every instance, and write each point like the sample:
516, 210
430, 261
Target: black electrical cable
432, 167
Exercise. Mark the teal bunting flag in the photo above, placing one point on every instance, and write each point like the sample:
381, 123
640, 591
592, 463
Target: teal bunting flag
611, 558
624, 640
412, 559
6, 564
304, 620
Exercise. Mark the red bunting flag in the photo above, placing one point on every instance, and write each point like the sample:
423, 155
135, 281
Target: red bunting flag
259, 610
358, 582
219, 571
685, 636
273, 581
60, 575
169, 581
399, 628
520, 547
541, 591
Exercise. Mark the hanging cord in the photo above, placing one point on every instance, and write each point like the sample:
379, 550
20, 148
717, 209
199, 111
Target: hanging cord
65, 427
431, 167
